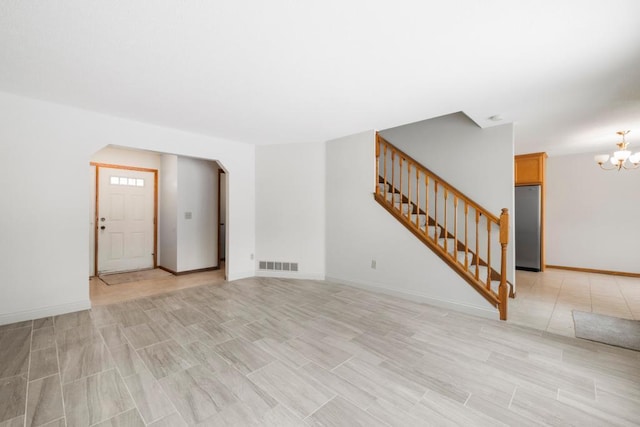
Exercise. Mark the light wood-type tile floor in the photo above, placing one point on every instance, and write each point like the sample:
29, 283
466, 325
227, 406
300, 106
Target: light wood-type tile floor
281, 352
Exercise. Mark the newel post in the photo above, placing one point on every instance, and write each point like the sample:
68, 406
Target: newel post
504, 240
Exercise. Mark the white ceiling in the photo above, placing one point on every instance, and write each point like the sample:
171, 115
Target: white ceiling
281, 71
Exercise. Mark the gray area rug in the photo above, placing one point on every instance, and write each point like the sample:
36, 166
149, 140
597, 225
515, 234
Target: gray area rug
623, 333
134, 276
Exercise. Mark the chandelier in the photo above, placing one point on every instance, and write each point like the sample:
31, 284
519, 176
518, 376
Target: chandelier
621, 159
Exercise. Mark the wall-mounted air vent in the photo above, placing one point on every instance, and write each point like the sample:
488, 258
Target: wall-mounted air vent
278, 266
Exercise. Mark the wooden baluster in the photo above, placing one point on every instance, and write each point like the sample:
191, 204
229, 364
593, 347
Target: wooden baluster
477, 244
426, 202
418, 197
488, 254
409, 190
455, 227
504, 239
446, 233
385, 172
466, 236
393, 176
401, 193
435, 211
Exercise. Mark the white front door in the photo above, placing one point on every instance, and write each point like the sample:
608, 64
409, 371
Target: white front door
125, 219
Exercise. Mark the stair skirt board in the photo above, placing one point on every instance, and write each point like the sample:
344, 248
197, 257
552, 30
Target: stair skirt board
451, 243
488, 313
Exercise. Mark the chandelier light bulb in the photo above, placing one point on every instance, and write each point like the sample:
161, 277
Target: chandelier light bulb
621, 159
622, 155
601, 158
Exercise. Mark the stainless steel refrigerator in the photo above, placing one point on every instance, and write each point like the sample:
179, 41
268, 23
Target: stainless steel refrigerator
527, 227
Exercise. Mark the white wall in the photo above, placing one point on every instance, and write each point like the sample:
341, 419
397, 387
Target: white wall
478, 162
359, 230
197, 240
44, 152
168, 212
290, 213
123, 156
592, 216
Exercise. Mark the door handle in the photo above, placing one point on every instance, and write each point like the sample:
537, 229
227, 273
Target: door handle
102, 227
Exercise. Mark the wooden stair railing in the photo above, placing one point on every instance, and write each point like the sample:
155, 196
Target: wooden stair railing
429, 207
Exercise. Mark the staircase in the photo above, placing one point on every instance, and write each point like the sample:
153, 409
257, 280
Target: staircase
469, 238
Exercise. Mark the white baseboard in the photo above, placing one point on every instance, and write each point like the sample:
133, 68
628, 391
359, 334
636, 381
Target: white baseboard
52, 310
240, 275
417, 297
290, 275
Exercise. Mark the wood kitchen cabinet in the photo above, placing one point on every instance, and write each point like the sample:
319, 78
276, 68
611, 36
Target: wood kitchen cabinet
530, 168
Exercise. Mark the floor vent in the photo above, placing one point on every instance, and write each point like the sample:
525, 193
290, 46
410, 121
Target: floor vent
278, 266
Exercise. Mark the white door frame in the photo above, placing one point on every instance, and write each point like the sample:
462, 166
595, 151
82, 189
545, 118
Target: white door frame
155, 209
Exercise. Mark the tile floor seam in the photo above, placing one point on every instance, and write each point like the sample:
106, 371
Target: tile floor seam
284, 405
467, 399
626, 301
58, 419
126, 337
512, 396
555, 303
340, 364
155, 343
319, 407
64, 409
127, 385
91, 375
175, 409
26, 392
248, 375
117, 415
